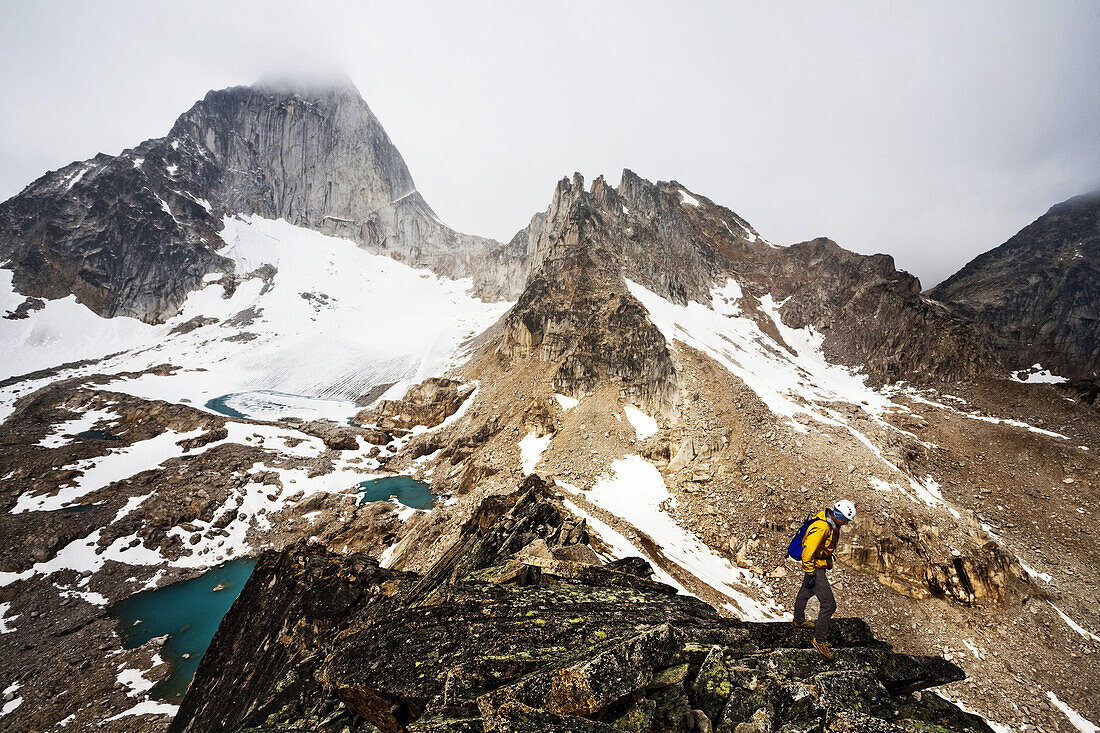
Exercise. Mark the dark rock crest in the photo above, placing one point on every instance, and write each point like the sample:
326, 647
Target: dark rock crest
517, 629
1037, 296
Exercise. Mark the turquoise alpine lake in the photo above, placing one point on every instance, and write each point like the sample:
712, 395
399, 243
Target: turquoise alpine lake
405, 489
189, 613
218, 405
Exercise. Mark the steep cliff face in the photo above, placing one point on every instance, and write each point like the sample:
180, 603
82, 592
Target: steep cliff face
127, 235
1037, 296
522, 627
577, 311
133, 234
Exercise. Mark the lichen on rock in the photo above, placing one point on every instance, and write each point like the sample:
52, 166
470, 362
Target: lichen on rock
487, 641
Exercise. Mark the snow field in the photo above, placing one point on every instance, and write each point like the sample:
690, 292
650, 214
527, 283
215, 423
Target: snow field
636, 492
334, 321
644, 425
792, 380
790, 384
531, 448
105, 470
250, 505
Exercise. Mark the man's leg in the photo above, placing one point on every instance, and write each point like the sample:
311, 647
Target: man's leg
804, 594
824, 593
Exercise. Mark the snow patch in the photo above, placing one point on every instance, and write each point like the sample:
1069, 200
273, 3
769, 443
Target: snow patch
63, 433
531, 448
620, 546
1045, 577
73, 179
1079, 629
687, 198
567, 403
135, 680
148, 707
644, 425
636, 492
1035, 374
200, 201
1079, 722
85, 555
105, 470
916, 396
5, 620
973, 649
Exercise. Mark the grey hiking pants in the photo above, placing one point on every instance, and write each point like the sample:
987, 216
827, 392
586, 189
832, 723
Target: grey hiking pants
816, 585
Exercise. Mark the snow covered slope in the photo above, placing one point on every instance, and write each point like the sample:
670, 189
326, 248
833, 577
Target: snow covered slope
306, 314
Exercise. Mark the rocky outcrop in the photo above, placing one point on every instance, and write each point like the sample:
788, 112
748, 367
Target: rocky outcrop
576, 312
910, 567
428, 404
133, 234
1037, 296
517, 629
872, 315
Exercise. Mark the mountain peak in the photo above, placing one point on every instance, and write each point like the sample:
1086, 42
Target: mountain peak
1036, 295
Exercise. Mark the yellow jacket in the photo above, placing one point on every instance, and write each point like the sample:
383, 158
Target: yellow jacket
819, 542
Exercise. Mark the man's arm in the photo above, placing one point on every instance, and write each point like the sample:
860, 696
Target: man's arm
815, 533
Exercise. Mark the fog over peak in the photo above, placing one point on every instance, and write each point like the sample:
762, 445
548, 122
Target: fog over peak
307, 83
930, 131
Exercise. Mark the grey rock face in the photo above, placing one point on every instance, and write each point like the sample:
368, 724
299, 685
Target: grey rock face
577, 312
123, 234
133, 234
1037, 296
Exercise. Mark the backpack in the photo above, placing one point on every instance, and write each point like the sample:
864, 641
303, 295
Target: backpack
794, 550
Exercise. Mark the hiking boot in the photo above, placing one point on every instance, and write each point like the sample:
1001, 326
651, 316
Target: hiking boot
823, 649
802, 624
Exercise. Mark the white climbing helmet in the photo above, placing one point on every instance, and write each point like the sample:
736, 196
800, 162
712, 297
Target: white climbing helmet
845, 510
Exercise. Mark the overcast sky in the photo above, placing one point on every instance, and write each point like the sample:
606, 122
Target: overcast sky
929, 131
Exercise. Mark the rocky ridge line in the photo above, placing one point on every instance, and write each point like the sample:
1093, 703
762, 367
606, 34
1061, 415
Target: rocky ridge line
521, 627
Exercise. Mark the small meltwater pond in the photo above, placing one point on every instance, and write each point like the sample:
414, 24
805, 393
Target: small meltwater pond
405, 489
189, 612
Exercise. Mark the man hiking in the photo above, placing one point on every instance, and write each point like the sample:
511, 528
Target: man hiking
818, 544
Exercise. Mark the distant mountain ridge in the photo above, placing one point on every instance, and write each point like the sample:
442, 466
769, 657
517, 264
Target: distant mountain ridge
1037, 296
133, 234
